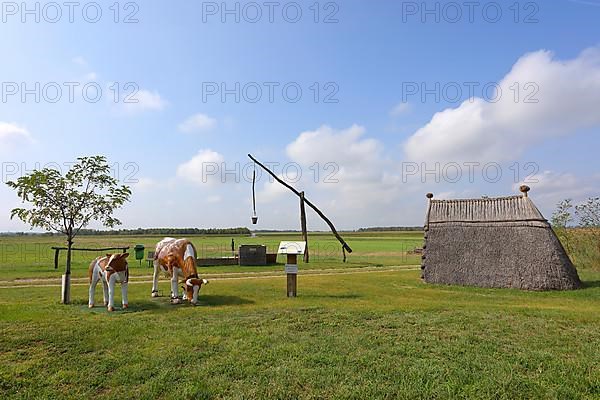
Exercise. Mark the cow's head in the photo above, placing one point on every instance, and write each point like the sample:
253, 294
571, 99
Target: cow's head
192, 288
117, 262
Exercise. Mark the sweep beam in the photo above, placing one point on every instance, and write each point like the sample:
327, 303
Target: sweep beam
311, 205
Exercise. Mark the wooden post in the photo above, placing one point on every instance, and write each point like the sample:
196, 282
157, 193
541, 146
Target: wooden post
56, 255
303, 224
291, 269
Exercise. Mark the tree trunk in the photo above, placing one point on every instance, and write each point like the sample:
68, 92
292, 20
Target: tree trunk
69, 250
66, 281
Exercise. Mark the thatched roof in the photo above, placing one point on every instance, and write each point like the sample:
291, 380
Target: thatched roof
504, 209
494, 242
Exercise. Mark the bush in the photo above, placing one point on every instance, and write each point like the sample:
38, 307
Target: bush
582, 241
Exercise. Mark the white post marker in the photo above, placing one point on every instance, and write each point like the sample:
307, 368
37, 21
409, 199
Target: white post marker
292, 250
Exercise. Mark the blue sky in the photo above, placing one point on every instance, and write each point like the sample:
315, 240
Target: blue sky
370, 138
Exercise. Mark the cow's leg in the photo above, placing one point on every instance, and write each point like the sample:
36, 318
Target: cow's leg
112, 280
104, 289
184, 290
155, 279
124, 287
93, 283
174, 288
125, 300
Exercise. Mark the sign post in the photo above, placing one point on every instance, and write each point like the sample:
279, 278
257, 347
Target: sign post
292, 250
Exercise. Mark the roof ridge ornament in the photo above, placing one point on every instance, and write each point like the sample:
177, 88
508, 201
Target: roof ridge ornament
525, 189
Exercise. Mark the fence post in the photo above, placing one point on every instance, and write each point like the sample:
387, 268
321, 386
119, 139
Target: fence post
56, 255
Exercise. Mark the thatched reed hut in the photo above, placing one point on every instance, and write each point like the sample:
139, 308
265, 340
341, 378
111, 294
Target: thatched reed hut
494, 243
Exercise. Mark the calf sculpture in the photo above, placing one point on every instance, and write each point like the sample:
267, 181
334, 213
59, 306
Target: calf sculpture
177, 258
110, 269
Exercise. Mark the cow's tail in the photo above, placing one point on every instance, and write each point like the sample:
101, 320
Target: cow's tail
91, 269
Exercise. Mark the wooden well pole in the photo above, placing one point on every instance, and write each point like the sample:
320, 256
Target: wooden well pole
310, 204
303, 224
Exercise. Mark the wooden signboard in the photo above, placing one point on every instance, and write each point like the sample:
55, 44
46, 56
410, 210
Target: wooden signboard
292, 250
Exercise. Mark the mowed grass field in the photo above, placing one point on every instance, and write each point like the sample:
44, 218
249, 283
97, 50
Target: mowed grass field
365, 329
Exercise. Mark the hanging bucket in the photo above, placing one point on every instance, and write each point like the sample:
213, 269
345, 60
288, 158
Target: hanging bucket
254, 217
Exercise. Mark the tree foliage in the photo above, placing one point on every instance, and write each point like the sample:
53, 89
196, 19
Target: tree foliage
589, 213
66, 204
563, 216
579, 231
561, 219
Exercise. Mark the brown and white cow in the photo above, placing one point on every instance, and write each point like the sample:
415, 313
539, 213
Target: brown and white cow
110, 269
177, 258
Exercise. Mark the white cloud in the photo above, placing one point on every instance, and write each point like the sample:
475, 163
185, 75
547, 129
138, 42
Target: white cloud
203, 169
12, 135
198, 123
344, 147
79, 60
347, 161
400, 109
144, 184
550, 187
568, 98
145, 100
351, 167
273, 191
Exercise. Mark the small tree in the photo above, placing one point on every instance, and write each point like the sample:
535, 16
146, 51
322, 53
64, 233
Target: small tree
66, 204
588, 214
561, 219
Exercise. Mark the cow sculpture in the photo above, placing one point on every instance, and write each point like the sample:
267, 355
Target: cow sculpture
177, 258
110, 269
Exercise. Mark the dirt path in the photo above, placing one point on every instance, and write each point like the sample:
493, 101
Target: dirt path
55, 282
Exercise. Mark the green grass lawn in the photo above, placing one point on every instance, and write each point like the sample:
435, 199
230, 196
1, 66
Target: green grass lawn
377, 333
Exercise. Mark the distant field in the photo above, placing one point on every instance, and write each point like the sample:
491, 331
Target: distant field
368, 329
32, 256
